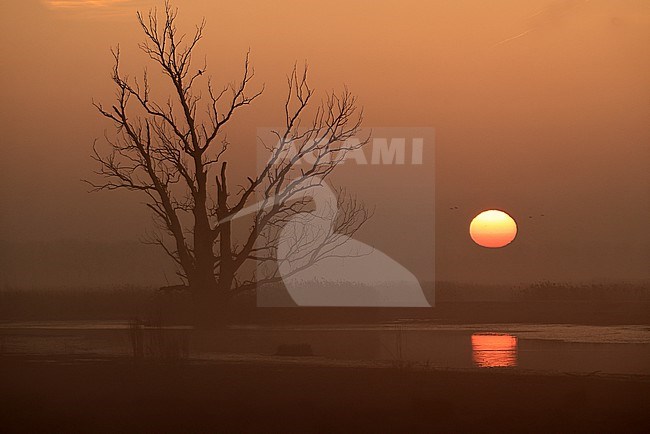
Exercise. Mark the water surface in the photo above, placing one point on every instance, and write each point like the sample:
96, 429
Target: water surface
557, 348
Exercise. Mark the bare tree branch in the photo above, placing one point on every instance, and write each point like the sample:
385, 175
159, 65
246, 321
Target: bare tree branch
175, 152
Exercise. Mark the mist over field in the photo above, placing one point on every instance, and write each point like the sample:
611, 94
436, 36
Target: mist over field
539, 108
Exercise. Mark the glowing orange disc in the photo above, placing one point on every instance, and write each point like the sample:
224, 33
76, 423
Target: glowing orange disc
493, 229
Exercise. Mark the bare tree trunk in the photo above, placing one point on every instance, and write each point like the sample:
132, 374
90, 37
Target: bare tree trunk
169, 151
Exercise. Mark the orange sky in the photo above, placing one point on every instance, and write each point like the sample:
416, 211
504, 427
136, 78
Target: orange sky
553, 122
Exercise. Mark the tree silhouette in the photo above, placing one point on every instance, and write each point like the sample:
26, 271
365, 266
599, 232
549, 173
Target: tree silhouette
177, 157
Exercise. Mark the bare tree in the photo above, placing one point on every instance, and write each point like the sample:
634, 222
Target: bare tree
177, 156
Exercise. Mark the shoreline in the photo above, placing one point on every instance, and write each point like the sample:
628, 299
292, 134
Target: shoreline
288, 362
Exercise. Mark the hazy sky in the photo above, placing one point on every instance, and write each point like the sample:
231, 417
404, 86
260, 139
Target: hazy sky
539, 107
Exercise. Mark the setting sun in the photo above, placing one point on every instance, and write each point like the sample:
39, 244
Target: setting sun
493, 228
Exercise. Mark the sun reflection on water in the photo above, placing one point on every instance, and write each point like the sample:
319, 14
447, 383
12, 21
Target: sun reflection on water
494, 350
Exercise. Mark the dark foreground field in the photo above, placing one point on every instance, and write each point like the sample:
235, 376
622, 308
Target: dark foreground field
119, 396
